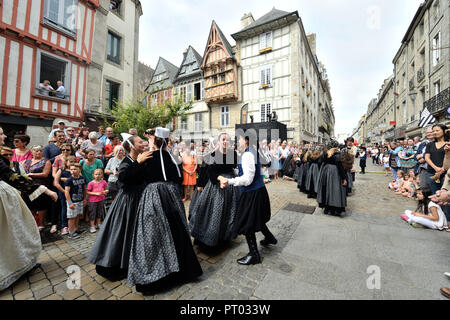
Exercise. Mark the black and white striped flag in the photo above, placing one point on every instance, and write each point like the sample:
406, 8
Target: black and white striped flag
426, 118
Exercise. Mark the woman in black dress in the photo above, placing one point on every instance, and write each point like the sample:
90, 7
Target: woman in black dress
111, 250
161, 250
306, 164
332, 193
254, 204
313, 173
212, 221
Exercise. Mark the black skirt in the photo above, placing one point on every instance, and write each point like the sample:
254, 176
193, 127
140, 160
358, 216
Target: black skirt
111, 250
161, 249
254, 211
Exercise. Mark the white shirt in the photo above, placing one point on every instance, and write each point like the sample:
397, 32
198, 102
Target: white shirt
52, 133
442, 219
285, 152
249, 169
61, 89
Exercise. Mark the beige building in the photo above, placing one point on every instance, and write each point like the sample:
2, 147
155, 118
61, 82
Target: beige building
422, 68
281, 72
421, 77
380, 114
112, 75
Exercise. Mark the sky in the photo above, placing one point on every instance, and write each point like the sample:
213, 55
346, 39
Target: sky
356, 39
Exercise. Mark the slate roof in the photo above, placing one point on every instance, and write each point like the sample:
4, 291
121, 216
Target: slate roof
271, 16
198, 59
171, 70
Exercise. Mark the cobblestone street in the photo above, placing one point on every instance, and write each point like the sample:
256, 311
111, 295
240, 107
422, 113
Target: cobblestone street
317, 256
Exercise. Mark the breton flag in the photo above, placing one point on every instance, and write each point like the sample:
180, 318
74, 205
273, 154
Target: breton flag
426, 118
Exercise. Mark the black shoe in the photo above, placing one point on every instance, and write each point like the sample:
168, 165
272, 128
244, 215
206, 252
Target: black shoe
253, 256
326, 211
250, 259
266, 241
79, 231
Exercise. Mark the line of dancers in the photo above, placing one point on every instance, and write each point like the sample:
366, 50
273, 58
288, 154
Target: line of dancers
324, 173
146, 237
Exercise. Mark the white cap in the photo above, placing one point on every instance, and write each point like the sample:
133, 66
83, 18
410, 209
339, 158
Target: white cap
126, 137
162, 133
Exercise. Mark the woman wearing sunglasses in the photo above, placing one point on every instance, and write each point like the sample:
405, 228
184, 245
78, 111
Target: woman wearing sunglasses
21, 152
60, 160
15, 166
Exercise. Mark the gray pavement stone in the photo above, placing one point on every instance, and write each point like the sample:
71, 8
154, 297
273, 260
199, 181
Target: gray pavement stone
277, 286
317, 256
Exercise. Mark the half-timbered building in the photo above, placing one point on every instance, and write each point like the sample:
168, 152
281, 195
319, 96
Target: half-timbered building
44, 40
190, 87
220, 73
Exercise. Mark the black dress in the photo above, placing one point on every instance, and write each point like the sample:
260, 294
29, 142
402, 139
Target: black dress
214, 213
111, 250
161, 250
202, 180
312, 178
332, 195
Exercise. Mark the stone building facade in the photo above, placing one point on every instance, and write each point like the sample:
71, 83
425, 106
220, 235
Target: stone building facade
280, 72
421, 74
113, 75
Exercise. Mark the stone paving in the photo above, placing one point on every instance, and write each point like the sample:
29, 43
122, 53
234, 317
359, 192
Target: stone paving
317, 257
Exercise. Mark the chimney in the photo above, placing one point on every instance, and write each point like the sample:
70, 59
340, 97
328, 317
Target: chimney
246, 20
312, 42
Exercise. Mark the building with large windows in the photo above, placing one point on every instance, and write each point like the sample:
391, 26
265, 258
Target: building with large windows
41, 41
421, 77
112, 75
281, 72
190, 86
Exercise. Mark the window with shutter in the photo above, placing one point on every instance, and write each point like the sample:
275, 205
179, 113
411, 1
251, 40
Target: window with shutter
262, 41
189, 92
266, 77
265, 42
224, 116
269, 39
203, 90
263, 77
263, 112
198, 122
269, 76
436, 49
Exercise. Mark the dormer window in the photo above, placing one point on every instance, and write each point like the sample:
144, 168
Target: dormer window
265, 42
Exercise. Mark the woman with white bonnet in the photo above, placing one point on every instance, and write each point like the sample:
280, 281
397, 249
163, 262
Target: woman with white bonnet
19, 236
161, 251
111, 250
213, 216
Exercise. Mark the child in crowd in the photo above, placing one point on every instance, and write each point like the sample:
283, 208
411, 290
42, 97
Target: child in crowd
265, 173
405, 183
395, 184
97, 190
75, 192
387, 169
62, 175
428, 214
410, 187
362, 160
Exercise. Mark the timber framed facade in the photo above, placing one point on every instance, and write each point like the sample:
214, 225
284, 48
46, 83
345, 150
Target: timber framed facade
45, 40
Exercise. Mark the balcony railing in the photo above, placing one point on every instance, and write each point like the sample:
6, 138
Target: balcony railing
439, 102
421, 74
412, 83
